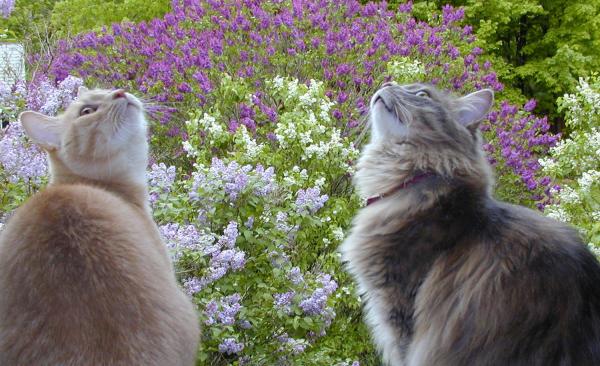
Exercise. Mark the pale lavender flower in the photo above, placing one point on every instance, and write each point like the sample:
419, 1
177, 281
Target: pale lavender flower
238, 261
281, 222
295, 276
192, 285
45, 97
296, 346
310, 200
180, 238
161, 177
284, 300
316, 302
19, 159
215, 273
266, 183
244, 324
7, 6
210, 312
230, 235
223, 311
230, 346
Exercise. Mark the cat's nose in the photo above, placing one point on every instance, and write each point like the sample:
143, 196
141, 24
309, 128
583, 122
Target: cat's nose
120, 93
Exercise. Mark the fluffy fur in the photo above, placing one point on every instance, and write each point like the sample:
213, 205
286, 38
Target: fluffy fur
450, 276
84, 276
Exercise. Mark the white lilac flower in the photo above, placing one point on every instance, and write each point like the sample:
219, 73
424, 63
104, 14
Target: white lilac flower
338, 233
569, 195
558, 213
587, 179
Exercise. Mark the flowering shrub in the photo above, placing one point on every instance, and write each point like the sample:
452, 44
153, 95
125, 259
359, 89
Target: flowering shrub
575, 162
180, 60
23, 167
265, 206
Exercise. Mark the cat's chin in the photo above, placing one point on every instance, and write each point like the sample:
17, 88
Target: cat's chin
385, 122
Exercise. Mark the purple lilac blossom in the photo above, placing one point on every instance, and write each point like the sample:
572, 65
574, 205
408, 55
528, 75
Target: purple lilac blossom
7, 6
315, 304
21, 160
295, 276
284, 300
179, 238
310, 200
230, 346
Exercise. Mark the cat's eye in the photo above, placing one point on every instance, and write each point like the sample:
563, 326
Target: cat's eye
422, 94
88, 109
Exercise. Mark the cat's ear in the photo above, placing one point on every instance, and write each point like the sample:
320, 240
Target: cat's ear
43, 130
82, 90
473, 108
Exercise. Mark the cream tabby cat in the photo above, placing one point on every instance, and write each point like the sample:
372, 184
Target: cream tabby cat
84, 276
450, 276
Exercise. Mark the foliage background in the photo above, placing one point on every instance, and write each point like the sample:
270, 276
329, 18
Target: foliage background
538, 47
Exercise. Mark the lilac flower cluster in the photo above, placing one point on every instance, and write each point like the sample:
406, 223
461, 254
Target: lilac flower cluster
223, 311
7, 7
284, 300
518, 140
315, 304
181, 238
19, 159
232, 179
160, 180
296, 346
230, 346
310, 200
46, 97
222, 252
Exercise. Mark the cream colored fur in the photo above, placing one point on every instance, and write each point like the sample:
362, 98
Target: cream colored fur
85, 278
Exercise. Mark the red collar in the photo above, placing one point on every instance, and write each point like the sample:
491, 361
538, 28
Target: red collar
414, 180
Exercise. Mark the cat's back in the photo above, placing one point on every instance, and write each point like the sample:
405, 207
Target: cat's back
528, 289
85, 280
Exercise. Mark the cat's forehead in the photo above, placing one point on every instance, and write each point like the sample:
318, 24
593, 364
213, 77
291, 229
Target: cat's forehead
94, 96
414, 86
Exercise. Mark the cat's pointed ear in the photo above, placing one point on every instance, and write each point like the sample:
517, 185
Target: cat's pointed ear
82, 90
43, 130
473, 108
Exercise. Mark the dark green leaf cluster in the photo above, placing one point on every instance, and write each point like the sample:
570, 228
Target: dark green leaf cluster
540, 47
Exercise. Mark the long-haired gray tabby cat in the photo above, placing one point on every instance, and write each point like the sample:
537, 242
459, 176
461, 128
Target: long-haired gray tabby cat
450, 276
84, 276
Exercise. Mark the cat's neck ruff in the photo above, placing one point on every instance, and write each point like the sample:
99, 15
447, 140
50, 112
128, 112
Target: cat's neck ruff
414, 180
